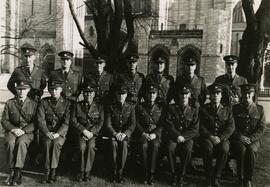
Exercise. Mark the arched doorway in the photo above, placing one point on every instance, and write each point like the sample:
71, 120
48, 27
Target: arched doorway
189, 50
47, 57
154, 51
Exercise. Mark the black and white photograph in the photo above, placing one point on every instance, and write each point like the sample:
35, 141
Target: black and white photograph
135, 93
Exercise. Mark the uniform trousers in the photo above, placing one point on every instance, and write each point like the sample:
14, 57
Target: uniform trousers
52, 151
87, 154
183, 150
16, 148
246, 158
119, 155
210, 150
149, 153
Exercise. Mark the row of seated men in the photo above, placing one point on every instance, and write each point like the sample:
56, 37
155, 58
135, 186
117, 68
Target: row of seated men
180, 122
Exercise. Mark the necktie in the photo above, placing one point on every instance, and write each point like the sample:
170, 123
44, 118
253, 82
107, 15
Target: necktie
65, 74
21, 103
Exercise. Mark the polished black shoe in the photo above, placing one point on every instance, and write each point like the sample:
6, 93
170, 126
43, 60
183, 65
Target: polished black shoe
87, 177
113, 178
150, 179
181, 181
9, 179
80, 176
17, 179
52, 178
248, 183
120, 179
209, 182
174, 180
216, 183
46, 177
145, 179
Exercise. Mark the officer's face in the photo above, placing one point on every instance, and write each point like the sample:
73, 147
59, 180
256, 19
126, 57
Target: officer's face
231, 68
184, 98
151, 96
100, 67
22, 93
248, 97
190, 69
66, 63
159, 67
56, 92
30, 59
132, 65
215, 97
89, 95
121, 97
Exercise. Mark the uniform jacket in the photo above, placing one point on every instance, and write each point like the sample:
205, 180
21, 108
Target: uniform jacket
88, 117
216, 123
17, 116
72, 86
182, 122
249, 121
196, 84
53, 117
120, 119
37, 76
166, 86
134, 84
149, 119
232, 85
105, 81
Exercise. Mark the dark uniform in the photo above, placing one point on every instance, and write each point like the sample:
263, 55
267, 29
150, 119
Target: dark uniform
149, 121
105, 81
119, 119
250, 123
18, 114
164, 81
181, 121
215, 122
134, 81
72, 79
232, 83
196, 84
37, 76
53, 117
90, 117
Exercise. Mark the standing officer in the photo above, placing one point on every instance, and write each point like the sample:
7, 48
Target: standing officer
72, 79
249, 127
88, 119
182, 124
216, 126
18, 124
149, 128
231, 80
53, 117
133, 78
193, 81
120, 122
31, 71
104, 80
159, 77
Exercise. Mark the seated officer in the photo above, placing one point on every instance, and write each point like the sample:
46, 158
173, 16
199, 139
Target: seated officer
249, 127
53, 117
88, 119
17, 121
182, 124
120, 122
149, 128
216, 126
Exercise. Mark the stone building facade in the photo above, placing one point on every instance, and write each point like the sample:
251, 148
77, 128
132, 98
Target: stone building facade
205, 28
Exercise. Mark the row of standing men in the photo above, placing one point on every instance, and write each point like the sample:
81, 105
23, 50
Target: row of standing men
132, 104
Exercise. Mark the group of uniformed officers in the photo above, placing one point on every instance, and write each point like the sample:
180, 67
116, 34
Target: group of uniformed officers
153, 111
